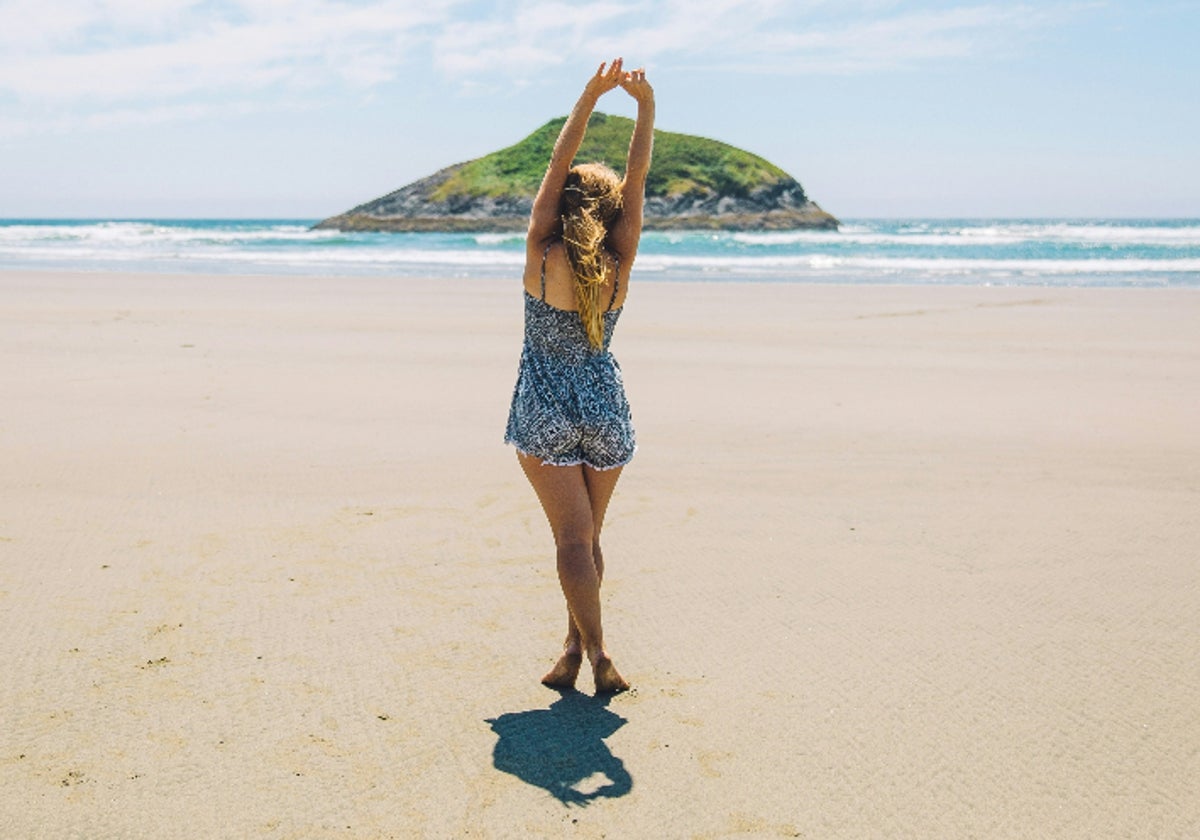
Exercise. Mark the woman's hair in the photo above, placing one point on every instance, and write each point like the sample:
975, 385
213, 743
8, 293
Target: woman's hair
591, 203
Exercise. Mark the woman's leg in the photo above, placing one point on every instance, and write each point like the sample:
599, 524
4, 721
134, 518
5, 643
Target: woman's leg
574, 499
600, 486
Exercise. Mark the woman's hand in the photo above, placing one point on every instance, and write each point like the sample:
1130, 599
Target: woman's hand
544, 219
634, 83
605, 80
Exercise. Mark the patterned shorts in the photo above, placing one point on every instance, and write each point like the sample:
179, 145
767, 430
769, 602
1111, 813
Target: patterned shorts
580, 419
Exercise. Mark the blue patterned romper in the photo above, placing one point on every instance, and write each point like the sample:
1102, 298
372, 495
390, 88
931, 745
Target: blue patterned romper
569, 404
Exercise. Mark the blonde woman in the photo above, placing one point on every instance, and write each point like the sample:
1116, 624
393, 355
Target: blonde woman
569, 419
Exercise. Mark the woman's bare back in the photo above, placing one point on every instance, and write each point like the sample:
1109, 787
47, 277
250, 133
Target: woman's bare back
560, 280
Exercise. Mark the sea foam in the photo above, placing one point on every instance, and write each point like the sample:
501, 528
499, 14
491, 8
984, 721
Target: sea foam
968, 251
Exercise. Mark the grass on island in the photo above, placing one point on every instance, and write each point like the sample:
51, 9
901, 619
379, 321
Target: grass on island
683, 164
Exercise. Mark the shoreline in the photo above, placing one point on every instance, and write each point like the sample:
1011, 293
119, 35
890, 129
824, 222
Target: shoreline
968, 252
648, 277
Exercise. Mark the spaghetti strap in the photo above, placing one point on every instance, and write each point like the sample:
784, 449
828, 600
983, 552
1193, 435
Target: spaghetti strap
616, 282
544, 253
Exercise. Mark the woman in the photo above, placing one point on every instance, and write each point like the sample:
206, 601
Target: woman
569, 419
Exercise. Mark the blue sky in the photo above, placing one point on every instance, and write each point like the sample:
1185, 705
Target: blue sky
303, 108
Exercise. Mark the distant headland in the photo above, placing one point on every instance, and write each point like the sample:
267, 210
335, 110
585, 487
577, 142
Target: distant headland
694, 184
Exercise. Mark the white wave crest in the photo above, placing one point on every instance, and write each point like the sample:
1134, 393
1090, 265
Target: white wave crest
939, 265
1071, 251
143, 233
499, 238
1000, 233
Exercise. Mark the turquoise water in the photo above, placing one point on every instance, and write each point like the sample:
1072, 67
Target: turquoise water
1081, 252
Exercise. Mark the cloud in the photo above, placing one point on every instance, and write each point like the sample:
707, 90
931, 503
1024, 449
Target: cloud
72, 59
113, 51
854, 36
903, 40
524, 38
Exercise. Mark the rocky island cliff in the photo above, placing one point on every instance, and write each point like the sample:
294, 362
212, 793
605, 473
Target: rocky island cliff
694, 183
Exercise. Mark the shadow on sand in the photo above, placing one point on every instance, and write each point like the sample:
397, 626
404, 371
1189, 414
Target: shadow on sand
561, 749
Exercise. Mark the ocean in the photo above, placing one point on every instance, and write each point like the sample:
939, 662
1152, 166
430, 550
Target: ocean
997, 252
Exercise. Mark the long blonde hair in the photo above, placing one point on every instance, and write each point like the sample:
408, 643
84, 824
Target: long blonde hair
591, 203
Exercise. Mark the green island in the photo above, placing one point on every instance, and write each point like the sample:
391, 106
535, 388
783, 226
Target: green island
694, 183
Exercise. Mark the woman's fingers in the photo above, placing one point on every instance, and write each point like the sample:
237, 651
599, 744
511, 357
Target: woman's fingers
607, 79
614, 73
635, 84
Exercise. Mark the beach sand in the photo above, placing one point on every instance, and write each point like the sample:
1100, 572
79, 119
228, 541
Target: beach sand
890, 562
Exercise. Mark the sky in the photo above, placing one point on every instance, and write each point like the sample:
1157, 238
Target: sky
305, 108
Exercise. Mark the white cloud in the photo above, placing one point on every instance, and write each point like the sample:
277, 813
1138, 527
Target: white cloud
521, 43
70, 59
901, 40
854, 36
124, 50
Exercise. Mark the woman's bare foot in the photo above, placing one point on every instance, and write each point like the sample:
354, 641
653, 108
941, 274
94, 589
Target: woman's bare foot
565, 671
608, 681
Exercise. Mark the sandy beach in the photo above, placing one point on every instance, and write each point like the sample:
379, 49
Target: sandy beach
894, 562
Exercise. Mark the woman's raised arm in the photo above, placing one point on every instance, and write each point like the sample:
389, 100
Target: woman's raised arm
543, 220
628, 230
